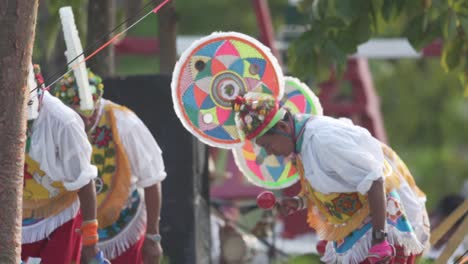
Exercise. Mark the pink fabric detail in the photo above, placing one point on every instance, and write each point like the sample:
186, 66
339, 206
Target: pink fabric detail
379, 252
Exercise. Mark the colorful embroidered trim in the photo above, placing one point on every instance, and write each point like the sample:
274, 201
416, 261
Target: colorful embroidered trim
114, 174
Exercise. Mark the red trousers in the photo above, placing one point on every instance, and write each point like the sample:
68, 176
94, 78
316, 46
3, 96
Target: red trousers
133, 255
63, 246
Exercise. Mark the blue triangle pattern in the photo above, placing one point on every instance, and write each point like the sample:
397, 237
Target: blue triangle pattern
210, 49
261, 63
218, 133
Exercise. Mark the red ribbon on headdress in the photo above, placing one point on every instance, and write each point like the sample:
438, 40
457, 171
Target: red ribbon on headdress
236, 103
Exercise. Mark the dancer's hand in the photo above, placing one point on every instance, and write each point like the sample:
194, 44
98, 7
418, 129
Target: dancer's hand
287, 206
381, 253
152, 252
321, 247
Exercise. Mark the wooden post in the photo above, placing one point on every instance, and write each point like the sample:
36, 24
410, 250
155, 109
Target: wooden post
167, 21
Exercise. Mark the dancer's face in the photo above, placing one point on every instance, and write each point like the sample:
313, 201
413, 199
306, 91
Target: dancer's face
278, 144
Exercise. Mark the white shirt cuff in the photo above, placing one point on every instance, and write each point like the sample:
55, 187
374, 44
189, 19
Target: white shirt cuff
85, 177
364, 186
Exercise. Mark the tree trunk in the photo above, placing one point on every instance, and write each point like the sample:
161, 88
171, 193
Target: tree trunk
101, 20
17, 20
167, 20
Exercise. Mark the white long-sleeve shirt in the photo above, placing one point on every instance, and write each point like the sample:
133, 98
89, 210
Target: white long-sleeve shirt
61, 147
339, 156
143, 152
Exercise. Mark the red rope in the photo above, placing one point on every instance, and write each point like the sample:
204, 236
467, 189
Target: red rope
155, 10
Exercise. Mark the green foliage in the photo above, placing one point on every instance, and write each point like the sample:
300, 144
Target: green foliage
204, 17
426, 121
52, 25
337, 27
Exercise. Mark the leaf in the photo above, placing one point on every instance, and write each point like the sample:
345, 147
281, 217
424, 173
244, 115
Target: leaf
334, 22
462, 77
346, 40
322, 8
361, 28
417, 36
461, 7
333, 51
399, 6
373, 14
450, 26
350, 10
304, 5
452, 53
315, 9
463, 22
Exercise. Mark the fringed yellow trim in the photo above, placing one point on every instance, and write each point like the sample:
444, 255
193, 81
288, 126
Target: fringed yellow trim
48, 207
331, 228
392, 180
37, 202
334, 232
119, 187
319, 219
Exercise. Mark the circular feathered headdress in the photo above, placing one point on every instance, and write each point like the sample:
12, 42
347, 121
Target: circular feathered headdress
277, 172
211, 74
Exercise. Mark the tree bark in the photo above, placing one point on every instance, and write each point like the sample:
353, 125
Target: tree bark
167, 21
18, 21
101, 20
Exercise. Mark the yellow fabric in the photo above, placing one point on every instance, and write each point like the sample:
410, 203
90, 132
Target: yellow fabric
401, 169
110, 202
42, 198
331, 223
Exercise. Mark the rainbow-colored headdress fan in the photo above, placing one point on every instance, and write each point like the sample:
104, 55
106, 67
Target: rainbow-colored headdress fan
275, 172
68, 92
255, 114
212, 73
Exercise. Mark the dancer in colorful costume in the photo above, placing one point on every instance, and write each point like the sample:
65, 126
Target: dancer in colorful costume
130, 171
58, 190
360, 196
